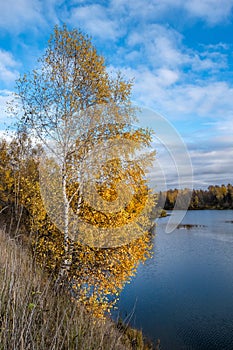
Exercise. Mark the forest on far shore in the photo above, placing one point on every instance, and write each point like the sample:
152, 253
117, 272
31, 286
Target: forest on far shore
215, 197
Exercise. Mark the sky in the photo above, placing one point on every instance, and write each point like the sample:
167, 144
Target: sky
179, 53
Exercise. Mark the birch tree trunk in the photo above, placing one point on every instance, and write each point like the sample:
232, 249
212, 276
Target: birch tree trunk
68, 244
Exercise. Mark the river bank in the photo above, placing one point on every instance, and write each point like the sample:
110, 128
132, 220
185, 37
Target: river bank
35, 316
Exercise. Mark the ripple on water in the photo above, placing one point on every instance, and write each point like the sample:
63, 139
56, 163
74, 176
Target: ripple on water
212, 335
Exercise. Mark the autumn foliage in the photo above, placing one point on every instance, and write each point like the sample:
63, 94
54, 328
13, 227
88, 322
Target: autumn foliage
215, 197
74, 176
97, 274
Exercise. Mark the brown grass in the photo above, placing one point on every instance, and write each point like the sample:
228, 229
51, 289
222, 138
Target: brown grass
34, 316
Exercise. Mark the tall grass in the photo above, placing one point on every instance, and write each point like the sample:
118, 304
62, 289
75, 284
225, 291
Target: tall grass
34, 316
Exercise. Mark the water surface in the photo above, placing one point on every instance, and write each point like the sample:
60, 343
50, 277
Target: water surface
184, 294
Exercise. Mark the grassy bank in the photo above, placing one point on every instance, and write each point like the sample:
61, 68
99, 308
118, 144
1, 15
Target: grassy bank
34, 316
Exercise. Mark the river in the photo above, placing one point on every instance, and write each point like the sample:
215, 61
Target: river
184, 293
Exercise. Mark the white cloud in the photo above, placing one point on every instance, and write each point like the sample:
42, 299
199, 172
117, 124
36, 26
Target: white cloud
206, 99
212, 11
210, 166
167, 77
164, 90
8, 65
176, 80
225, 126
211, 152
160, 45
213, 167
16, 15
96, 20
107, 20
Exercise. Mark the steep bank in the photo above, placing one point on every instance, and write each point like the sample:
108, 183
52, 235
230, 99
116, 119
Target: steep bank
34, 316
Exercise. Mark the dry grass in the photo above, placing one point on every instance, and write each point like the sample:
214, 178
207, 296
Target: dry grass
34, 316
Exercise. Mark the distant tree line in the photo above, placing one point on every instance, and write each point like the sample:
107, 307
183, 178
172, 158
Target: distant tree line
215, 197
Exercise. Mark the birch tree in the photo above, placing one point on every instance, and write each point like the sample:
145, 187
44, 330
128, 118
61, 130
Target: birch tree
81, 115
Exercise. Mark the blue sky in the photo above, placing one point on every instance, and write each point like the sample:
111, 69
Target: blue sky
180, 54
